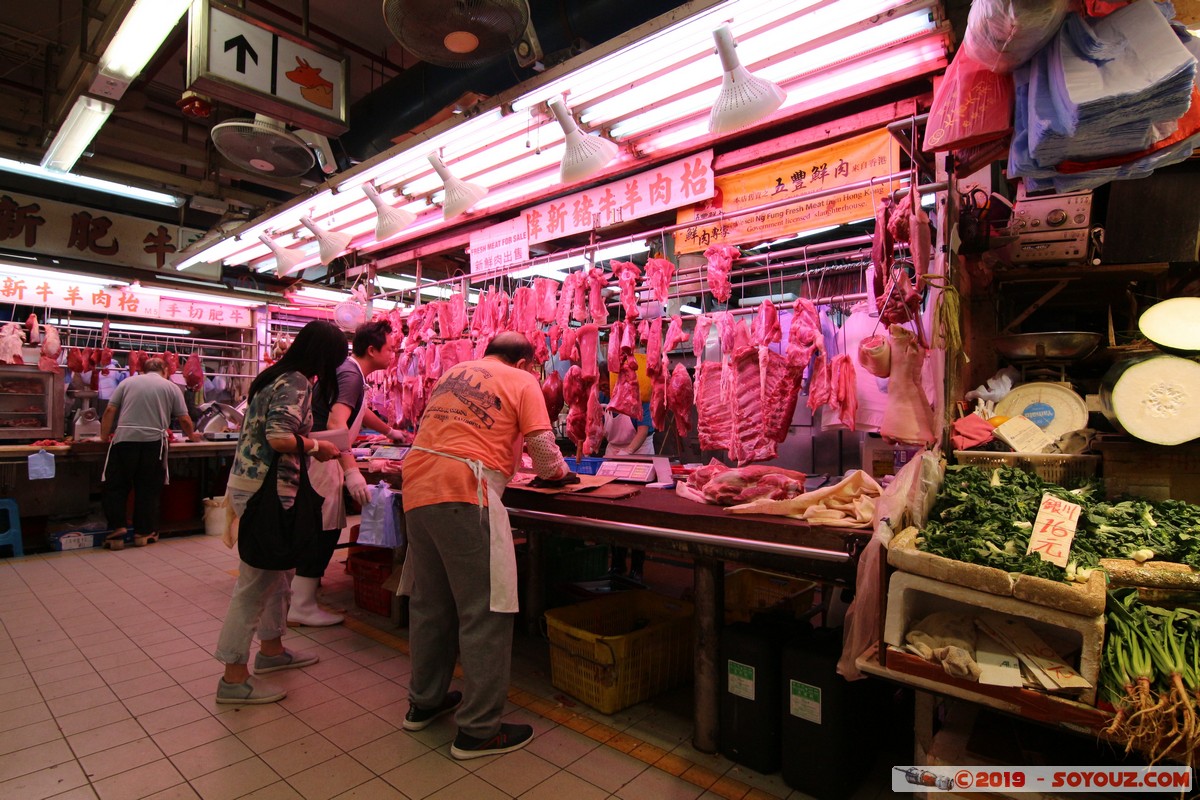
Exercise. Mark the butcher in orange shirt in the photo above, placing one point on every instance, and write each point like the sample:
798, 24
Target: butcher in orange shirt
460, 569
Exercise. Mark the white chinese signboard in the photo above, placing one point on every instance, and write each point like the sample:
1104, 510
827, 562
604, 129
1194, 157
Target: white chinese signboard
680, 183
70, 295
499, 245
51, 228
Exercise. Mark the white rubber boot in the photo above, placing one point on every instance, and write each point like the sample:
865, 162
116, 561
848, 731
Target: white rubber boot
304, 609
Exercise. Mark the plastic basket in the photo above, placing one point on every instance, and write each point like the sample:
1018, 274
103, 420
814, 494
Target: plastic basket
1059, 468
615, 652
569, 560
585, 466
370, 568
750, 591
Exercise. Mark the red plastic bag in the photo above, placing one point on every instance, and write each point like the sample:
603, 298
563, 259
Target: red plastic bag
1102, 8
972, 105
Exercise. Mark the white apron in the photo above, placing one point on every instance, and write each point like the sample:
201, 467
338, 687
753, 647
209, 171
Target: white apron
164, 435
502, 556
326, 478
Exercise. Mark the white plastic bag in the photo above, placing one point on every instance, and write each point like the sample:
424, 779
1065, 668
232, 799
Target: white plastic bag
216, 516
378, 525
1004, 34
41, 465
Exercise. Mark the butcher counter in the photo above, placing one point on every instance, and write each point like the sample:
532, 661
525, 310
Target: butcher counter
660, 520
197, 466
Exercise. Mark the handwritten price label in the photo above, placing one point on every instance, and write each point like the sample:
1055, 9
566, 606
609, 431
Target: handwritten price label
1054, 530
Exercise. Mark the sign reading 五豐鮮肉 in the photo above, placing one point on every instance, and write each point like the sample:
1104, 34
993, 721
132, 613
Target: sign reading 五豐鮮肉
679, 183
47, 227
1054, 530
860, 158
71, 295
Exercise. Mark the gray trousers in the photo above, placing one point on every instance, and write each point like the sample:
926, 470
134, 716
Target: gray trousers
449, 611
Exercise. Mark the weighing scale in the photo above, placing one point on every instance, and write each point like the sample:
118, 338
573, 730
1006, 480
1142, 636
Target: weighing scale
651, 470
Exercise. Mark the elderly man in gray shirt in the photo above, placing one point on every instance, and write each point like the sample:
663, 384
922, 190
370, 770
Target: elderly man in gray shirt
137, 455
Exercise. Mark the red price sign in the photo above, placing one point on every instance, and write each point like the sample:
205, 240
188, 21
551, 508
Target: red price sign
1054, 530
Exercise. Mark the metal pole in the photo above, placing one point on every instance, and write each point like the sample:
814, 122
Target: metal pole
709, 597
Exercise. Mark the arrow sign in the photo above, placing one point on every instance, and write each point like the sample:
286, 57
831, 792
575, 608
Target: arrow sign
243, 49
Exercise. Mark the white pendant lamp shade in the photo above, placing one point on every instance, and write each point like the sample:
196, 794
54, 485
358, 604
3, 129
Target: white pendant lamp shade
744, 99
331, 243
388, 220
287, 260
460, 195
585, 154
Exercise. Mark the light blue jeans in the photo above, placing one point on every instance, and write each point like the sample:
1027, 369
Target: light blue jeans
259, 601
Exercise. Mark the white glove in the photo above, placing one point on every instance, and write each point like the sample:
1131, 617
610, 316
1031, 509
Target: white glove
356, 484
396, 435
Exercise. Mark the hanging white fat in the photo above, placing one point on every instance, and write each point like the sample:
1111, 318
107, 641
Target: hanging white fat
1172, 324
1155, 398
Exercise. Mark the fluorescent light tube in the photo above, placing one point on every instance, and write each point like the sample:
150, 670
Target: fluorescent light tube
85, 182
198, 297
118, 326
142, 32
77, 131
49, 275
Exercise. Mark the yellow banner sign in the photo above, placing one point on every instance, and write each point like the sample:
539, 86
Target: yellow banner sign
870, 155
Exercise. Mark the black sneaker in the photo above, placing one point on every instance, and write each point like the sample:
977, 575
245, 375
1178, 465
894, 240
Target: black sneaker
509, 738
418, 719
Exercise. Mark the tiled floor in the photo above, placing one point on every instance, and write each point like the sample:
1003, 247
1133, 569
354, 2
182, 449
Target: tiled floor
107, 682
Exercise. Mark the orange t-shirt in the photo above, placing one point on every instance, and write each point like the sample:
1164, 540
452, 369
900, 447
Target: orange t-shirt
481, 410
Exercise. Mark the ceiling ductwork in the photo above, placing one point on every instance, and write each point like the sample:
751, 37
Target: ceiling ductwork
411, 99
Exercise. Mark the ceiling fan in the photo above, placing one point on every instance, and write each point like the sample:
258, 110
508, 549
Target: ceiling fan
463, 33
266, 145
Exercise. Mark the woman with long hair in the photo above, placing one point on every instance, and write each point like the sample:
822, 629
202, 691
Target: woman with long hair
275, 428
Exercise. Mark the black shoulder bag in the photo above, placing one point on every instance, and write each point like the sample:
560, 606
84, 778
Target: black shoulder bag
273, 537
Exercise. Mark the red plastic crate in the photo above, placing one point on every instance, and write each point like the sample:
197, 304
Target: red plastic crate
370, 568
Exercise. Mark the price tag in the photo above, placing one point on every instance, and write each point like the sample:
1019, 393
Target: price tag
1054, 530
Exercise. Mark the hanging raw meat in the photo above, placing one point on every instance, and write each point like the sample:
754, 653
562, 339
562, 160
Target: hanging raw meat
546, 292
457, 317
575, 392
137, 361
172, 360
48, 364
735, 334
921, 244
654, 349
11, 340
901, 302
720, 260
552, 391
714, 413
819, 386
844, 396
566, 298
680, 394
700, 334
658, 396
595, 422
627, 278
589, 342
881, 244
659, 272
75, 359
765, 329
596, 281
748, 439
193, 372
568, 349
51, 343
675, 334
457, 351
579, 303
804, 335
33, 330
612, 355
443, 318
899, 218
908, 417
626, 396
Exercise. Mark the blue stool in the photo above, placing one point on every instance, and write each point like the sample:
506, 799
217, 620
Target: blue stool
11, 533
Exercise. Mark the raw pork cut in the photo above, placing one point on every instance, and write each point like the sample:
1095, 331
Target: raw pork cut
659, 272
627, 278
881, 245
568, 349
765, 330
524, 310
31, 325
612, 355
589, 342
11, 340
654, 347
596, 281
720, 259
819, 385
675, 334
51, 343
844, 396
728, 486
595, 422
658, 397
193, 372
575, 393
714, 413
804, 335
546, 291
680, 395
908, 417
748, 440
626, 396
700, 334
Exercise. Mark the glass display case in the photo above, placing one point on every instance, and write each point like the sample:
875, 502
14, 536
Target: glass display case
31, 404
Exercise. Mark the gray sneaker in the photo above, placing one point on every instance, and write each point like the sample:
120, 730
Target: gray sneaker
285, 660
251, 692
